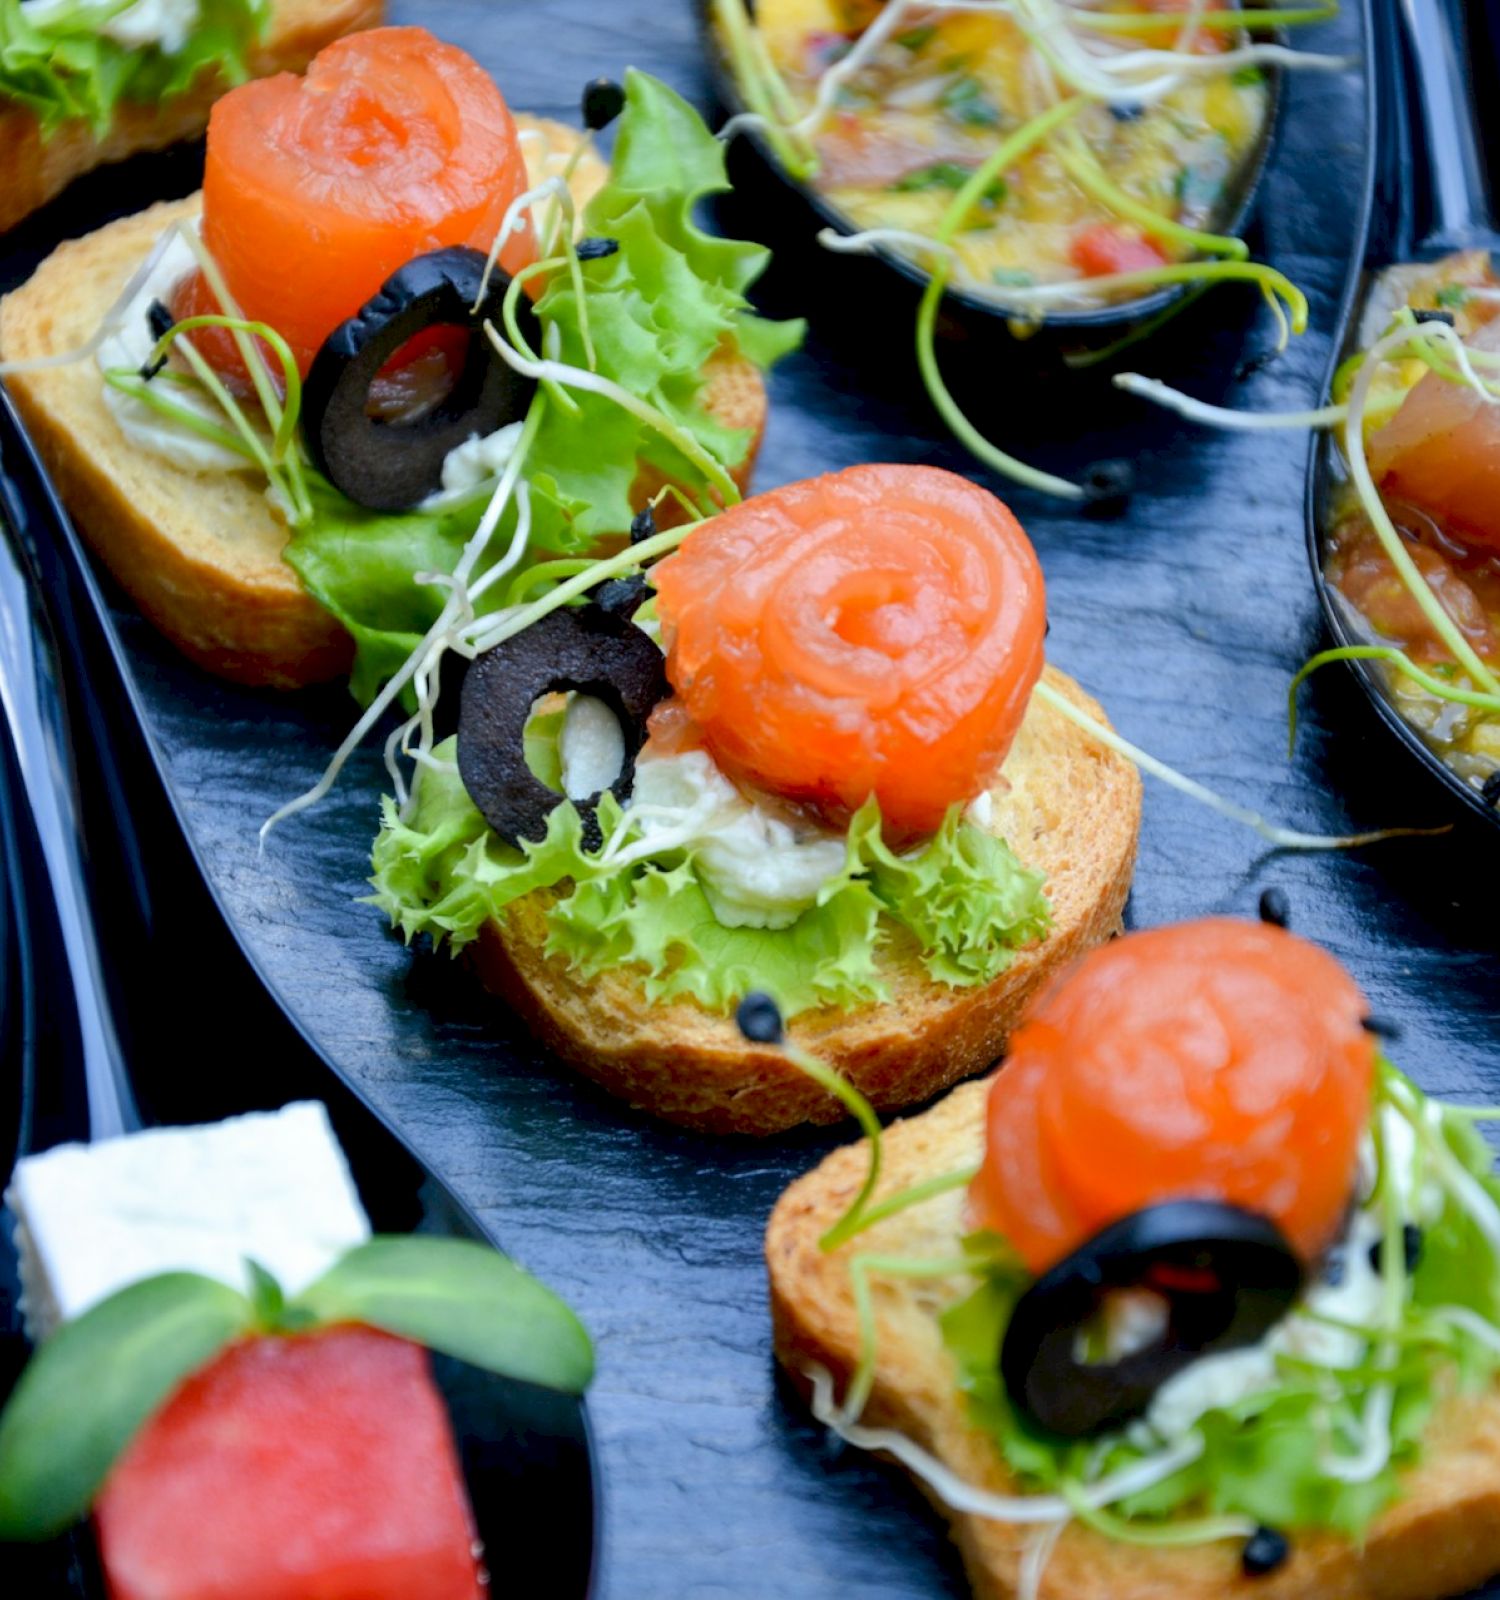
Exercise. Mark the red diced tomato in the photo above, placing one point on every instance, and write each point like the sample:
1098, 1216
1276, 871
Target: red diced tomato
1104, 249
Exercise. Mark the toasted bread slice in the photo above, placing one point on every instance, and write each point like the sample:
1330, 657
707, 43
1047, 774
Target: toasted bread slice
1441, 1538
34, 169
1064, 803
201, 553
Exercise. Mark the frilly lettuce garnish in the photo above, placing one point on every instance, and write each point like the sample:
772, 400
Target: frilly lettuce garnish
64, 70
963, 899
669, 298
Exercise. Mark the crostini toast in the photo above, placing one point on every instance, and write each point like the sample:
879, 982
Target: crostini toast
34, 168
1066, 806
201, 554
1441, 1538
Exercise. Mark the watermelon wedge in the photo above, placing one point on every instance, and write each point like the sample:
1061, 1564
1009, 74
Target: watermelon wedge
319, 1466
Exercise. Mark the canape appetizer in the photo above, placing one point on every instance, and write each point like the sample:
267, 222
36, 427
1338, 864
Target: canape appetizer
230, 1371
85, 82
398, 326
1198, 1295
844, 774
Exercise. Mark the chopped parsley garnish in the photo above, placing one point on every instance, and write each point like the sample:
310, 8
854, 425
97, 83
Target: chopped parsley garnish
965, 100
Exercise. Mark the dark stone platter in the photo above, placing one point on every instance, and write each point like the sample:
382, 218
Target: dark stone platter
1187, 615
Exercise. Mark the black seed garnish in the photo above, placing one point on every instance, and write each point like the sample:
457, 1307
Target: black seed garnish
603, 101
1489, 790
1411, 1248
759, 1018
1252, 364
582, 648
159, 321
643, 525
1445, 317
621, 597
390, 466
1381, 1027
1275, 907
1107, 487
1225, 1275
597, 249
1265, 1550
1127, 113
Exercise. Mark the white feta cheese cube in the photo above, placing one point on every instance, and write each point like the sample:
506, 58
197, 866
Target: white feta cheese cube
91, 1219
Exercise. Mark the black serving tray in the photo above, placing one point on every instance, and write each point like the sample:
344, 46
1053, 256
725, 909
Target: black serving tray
1188, 616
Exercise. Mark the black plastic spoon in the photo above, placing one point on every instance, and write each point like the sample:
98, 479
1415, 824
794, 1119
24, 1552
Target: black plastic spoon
525, 1450
1428, 196
874, 281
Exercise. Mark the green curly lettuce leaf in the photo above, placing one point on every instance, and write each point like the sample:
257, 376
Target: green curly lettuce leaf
1262, 1454
64, 70
666, 301
443, 873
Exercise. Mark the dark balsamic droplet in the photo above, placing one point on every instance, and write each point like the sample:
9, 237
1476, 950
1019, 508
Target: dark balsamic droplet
597, 249
759, 1018
1445, 317
1107, 487
603, 101
1381, 1027
1490, 790
643, 525
1265, 1550
1122, 112
1275, 907
1411, 1248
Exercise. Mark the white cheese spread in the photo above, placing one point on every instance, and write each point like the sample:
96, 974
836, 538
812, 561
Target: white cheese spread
478, 460
91, 1219
757, 869
130, 347
1355, 1298
165, 24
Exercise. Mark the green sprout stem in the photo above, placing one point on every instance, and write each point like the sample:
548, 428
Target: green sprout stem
863, 1112
1148, 22
1084, 168
860, 1268
1010, 149
1380, 519
760, 84
1392, 657
128, 381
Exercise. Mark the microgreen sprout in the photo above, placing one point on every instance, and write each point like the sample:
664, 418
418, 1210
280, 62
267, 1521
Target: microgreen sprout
1400, 662
1281, 838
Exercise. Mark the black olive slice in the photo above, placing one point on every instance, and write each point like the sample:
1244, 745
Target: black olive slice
390, 466
588, 649
1225, 1275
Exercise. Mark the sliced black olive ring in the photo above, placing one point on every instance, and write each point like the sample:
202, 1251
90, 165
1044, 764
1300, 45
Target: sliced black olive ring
591, 649
390, 466
1224, 1276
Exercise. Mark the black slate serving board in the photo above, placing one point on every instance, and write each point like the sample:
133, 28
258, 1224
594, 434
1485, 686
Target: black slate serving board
1187, 615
